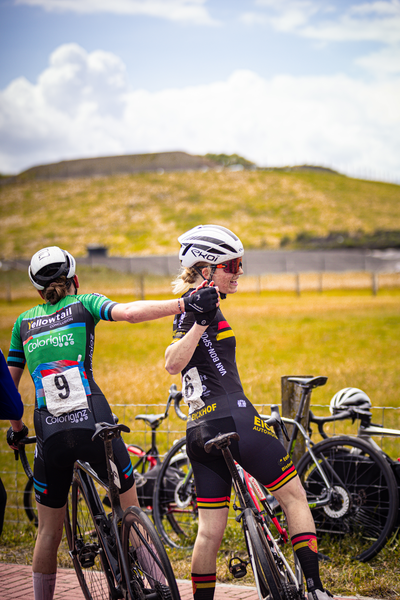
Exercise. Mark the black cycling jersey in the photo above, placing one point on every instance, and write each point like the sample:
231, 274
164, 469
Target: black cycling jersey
217, 404
57, 343
212, 370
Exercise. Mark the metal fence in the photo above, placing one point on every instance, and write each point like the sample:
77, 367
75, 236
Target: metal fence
173, 429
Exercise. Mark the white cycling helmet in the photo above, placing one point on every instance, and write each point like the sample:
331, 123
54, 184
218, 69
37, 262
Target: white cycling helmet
48, 264
209, 243
350, 398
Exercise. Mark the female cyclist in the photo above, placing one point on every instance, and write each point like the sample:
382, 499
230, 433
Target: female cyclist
203, 351
56, 340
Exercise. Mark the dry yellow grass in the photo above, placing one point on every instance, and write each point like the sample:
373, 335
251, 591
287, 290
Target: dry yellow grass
145, 213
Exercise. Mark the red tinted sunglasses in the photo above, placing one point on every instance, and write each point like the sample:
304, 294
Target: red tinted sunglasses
231, 266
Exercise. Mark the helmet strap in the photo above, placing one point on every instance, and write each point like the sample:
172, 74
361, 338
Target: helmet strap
209, 280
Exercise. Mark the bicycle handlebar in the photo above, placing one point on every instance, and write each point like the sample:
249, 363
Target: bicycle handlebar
176, 395
21, 454
340, 416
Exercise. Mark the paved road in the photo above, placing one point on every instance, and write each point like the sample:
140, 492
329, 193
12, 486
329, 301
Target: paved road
16, 584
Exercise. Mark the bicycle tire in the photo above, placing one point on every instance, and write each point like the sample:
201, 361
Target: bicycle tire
149, 567
270, 580
144, 480
174, 501
371, 510
84, 543
30, 502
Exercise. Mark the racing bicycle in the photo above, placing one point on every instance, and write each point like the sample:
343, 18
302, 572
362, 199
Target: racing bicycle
146, 463
115, 555
350, 486
274, 576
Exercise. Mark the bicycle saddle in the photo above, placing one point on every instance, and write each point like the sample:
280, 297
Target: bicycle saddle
309, 382
108, 430
222, 440
152, 420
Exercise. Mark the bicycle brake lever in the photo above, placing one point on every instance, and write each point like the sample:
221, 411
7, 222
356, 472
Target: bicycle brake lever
285, 431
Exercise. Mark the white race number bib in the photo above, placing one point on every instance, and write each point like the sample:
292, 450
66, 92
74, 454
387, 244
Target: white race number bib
192, 390
64, 392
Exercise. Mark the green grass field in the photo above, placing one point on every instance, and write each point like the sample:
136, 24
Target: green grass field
350, 336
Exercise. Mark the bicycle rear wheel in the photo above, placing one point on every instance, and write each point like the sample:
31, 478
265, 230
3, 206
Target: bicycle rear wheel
150, 571
366, 499
174, 501
92, 570
271, 581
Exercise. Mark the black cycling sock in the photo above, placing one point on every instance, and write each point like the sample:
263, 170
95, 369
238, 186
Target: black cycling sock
305, 546
203, 585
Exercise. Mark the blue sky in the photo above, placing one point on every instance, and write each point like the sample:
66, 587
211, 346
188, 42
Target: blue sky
278, 81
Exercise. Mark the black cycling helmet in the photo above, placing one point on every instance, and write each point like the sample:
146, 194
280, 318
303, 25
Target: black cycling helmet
49, 264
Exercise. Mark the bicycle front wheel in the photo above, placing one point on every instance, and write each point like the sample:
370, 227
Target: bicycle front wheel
30, 502
86, 550
174, 501
365, 500
149, 570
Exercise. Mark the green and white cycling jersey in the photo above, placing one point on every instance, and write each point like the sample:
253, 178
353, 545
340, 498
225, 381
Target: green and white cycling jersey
57, 343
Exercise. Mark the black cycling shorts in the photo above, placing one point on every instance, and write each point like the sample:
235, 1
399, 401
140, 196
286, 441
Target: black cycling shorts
70, 440
258, 450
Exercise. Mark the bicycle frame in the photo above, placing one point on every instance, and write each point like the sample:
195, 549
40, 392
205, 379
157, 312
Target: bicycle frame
86, 476
249, 493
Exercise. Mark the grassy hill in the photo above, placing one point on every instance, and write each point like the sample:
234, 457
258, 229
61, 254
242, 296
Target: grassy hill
144, 213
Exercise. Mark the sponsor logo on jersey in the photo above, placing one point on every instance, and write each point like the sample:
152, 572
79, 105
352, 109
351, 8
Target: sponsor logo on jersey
200, 413
77, 416
50, 320
52, 339
213, 355
262, 426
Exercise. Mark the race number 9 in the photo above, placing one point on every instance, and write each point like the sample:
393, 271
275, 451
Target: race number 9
61, 383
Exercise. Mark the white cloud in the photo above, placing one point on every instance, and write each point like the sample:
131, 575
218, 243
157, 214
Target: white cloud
71, 113
371, 21
173, 10
382, 63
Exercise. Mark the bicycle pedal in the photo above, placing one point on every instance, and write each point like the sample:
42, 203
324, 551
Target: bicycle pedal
238, 569
87, 557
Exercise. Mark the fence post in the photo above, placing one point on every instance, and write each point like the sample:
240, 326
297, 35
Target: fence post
298, 289
375, 283
258, 284
141, 286
290, 395
8, 291
321, 282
